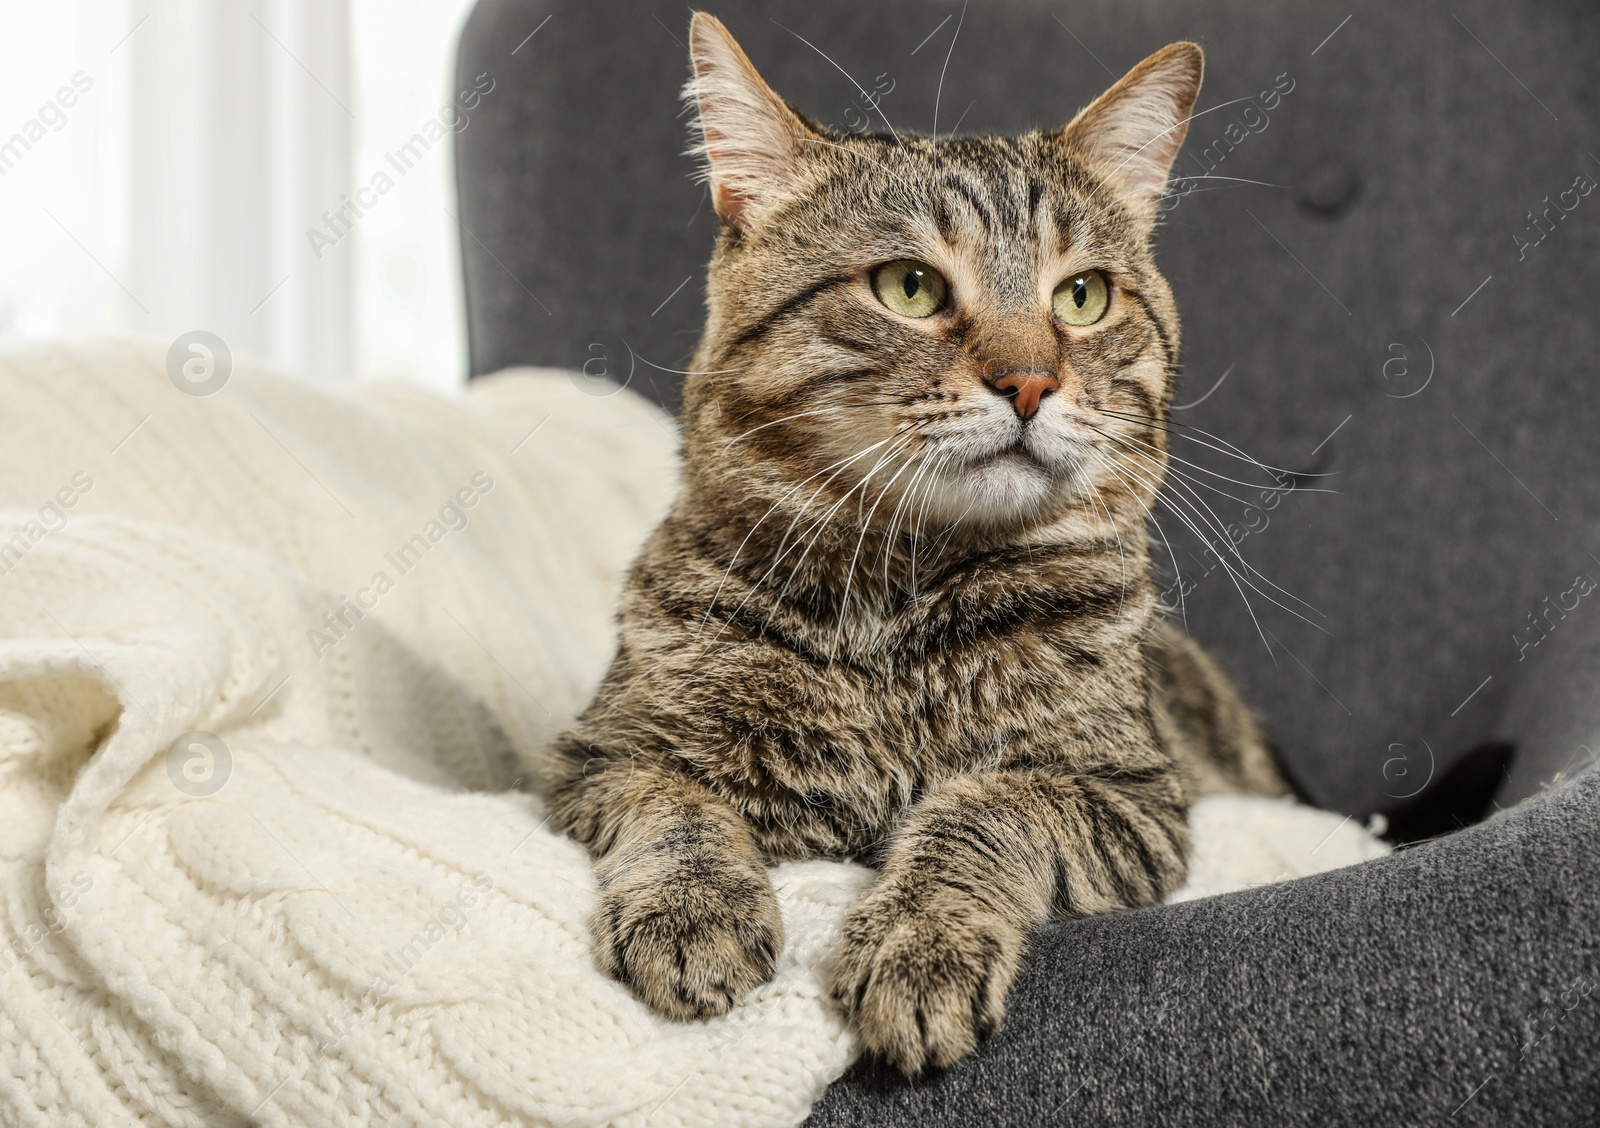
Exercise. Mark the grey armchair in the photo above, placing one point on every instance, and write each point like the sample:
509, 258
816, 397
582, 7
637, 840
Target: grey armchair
1386, 253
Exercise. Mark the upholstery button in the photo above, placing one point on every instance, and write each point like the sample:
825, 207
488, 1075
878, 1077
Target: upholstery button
1327, 190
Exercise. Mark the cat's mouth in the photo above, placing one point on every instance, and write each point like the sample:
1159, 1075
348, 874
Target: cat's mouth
1015, 455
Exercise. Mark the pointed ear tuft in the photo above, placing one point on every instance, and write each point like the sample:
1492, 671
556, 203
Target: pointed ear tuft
1131, 134
749, 137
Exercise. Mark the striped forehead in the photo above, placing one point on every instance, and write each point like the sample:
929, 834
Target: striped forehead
1001, 228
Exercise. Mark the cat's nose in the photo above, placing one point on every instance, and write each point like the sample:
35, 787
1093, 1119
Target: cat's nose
1026, 387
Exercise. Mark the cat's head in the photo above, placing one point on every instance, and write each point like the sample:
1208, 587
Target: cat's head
973, 328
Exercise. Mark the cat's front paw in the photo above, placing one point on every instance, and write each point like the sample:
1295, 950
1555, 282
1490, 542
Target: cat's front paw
924, 974
689, 944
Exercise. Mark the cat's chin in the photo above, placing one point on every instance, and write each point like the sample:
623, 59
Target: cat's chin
1006, 488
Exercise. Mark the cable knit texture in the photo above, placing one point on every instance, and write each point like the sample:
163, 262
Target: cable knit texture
268, 658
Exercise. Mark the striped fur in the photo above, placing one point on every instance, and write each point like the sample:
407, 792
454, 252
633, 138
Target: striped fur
888, 617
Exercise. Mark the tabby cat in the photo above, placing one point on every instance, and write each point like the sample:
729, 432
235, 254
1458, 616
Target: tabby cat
902, 609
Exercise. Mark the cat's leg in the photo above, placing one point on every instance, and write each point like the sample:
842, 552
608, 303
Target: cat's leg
687, 915
928, 957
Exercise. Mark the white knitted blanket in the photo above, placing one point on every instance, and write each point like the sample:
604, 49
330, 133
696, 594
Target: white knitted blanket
266, 660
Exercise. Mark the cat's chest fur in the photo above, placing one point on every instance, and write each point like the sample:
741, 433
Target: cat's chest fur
822, 728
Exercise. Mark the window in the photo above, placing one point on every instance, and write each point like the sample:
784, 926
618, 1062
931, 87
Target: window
171, 166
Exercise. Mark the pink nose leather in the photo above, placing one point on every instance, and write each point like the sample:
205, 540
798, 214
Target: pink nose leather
1030, 387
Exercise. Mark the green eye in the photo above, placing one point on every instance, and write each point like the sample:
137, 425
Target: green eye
910, 288
1081, 299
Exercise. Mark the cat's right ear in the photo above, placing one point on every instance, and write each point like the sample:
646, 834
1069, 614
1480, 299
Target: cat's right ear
749, 137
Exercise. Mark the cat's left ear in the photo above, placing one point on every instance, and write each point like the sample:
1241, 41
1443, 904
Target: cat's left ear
1131, 134
751, 139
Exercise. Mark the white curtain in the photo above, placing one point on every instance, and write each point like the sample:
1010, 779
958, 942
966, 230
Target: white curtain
240, 132
209, 173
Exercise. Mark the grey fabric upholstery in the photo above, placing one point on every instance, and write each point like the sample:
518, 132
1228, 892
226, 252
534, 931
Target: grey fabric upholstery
1387, 313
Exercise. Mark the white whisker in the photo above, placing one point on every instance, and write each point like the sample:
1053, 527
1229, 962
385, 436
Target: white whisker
1220, 559
862, 90
1171, 555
